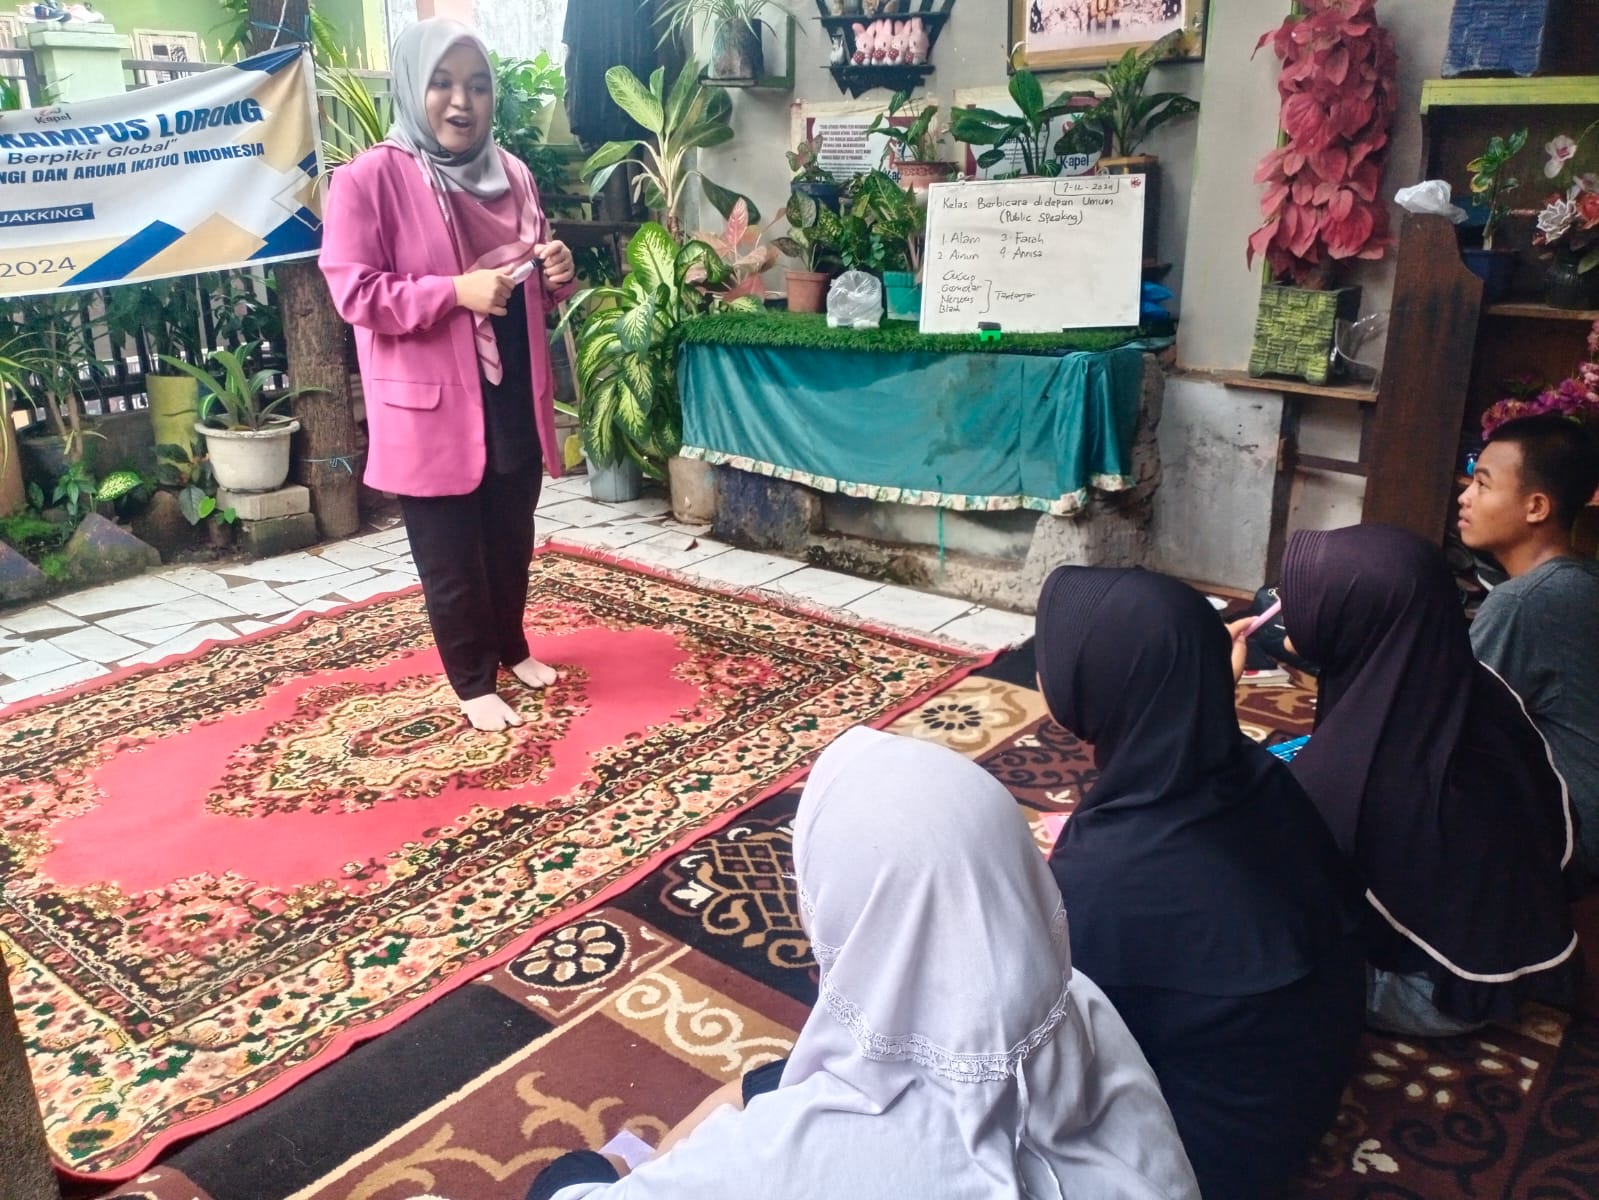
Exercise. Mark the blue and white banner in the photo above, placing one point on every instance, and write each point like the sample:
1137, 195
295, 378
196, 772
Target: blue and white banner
218, 169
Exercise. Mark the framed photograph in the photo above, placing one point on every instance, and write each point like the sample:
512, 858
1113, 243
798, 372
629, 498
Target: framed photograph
1054, 35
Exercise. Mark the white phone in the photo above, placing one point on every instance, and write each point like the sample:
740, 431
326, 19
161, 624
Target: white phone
526, 269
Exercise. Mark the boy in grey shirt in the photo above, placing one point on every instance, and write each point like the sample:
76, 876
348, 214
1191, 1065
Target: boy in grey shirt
1540, 629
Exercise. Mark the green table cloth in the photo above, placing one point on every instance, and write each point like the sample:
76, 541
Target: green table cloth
967, 431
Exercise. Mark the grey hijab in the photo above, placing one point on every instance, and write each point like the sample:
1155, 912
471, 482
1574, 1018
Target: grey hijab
415, 56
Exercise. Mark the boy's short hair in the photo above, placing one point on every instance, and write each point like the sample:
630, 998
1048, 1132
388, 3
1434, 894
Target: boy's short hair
1559, 457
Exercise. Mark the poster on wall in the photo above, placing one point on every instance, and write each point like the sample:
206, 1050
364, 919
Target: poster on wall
214, 170
1052, 35
846, 149
997, 99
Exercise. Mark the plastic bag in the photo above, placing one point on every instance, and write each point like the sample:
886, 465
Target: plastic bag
855, 301
1430, 196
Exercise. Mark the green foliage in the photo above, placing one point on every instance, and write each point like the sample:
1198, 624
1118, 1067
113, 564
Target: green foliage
118, 485
1028, 131
166, 312
920, 141
691, 117
236, 393
1125, 115
806, 239
29, 534
626, 367
177, 467
524, 88
75, 491
804, 163
678, 17
61, 331
1491, 180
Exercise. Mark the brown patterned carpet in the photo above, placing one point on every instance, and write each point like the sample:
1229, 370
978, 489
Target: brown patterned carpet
629, 1015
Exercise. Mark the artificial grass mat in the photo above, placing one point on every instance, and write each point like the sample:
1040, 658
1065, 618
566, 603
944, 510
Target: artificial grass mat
809, 331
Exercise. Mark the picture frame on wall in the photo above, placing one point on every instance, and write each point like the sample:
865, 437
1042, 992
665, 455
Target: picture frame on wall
1058, 35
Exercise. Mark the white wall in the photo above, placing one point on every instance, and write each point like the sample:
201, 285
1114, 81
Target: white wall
1214, 442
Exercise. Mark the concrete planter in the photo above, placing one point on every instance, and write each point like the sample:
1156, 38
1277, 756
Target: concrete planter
249, 460
174, 405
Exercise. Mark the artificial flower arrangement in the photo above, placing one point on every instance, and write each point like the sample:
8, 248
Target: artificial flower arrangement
1340, 88
1568, 222
1576, 397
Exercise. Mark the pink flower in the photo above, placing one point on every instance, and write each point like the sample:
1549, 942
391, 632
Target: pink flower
1561, 151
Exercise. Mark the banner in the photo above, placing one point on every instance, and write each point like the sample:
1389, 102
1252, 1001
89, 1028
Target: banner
218, 169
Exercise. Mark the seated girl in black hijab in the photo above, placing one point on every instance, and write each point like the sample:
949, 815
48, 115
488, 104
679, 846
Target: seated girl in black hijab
1204, 894
1433, 781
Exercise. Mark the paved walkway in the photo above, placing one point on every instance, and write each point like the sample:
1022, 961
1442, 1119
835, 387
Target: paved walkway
77, 637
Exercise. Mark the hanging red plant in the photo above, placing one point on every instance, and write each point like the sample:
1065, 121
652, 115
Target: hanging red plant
1339, 88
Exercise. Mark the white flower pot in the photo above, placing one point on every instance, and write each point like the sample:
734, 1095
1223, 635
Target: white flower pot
249, 460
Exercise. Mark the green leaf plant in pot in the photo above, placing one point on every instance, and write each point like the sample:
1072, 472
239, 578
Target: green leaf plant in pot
809, 177
688, 118
247, 439
892, 248
159, 319
912, 151
629, 413
735, 29
22, 360
1491, 182
806, 242
1022, 137
1123, 118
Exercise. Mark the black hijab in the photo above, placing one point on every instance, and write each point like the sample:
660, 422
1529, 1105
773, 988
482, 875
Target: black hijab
1195, 862
1426, 767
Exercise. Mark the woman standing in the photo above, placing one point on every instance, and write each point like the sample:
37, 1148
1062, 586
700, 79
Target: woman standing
1434, 782
428, 238
1206, 896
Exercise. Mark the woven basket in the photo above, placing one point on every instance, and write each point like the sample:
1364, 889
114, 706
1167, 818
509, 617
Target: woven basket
1294, 330
1500, 36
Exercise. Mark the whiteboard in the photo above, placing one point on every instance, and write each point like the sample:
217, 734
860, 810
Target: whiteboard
1033, 255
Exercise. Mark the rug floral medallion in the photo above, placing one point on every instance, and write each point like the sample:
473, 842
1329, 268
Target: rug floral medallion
221, 872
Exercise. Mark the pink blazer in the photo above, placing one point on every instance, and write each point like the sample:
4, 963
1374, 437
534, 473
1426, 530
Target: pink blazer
390, 266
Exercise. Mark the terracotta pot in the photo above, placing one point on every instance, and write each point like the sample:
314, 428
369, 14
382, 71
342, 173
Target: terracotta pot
1148, 166
807, 291
919, 176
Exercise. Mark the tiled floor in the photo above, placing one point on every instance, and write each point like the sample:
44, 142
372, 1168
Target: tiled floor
86, 634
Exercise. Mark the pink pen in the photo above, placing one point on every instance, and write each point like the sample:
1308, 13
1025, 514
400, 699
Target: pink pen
1260, 622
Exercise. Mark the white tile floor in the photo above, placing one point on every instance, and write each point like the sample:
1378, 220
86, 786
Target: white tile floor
80, 636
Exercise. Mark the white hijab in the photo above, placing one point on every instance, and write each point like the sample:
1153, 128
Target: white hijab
414, 58
953, 1053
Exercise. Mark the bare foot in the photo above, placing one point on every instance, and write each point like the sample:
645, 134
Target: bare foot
534, 673
489, 713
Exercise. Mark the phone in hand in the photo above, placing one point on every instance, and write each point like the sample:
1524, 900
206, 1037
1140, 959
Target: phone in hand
523, 271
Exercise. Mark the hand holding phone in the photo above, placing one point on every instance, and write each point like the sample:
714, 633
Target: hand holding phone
523, 271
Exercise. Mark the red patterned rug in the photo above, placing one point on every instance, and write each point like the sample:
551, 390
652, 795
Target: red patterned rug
224, 871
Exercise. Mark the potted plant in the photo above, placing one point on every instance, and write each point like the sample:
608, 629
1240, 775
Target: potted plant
1024, 135
744, 257
66, 363
735, 27
629, 415
1322, 205
1124, 117
1490, 183
1568, 225
809, 176
21, 361
912, 152
246, 439
806, 242
162, 318
691, 117
892, 242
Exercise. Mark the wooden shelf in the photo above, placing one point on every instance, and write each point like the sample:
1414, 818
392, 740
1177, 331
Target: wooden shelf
898, 77
1542, 312
1507, 93
1360, 393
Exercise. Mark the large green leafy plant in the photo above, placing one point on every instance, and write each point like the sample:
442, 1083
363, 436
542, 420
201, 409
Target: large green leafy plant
691, 117
1028, 130
236, 399
626, 370
1124, 115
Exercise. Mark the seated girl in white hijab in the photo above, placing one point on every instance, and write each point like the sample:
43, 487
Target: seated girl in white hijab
953, 1052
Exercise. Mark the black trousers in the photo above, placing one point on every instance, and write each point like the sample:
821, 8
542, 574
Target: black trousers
472, 553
